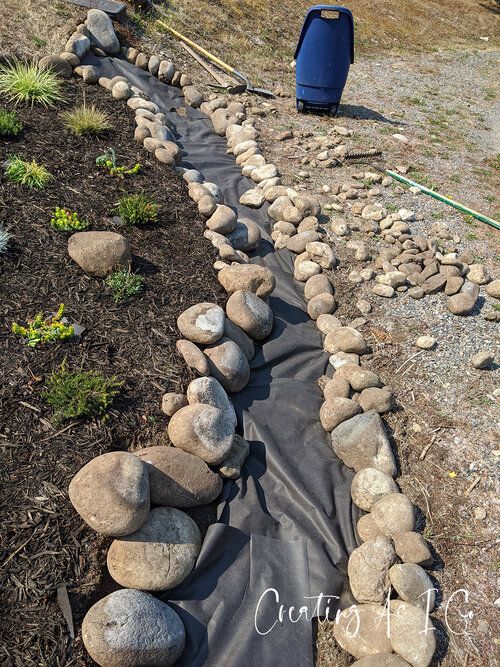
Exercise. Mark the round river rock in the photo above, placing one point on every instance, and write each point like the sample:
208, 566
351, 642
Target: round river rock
202, 430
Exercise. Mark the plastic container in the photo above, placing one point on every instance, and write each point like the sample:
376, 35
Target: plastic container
324, 52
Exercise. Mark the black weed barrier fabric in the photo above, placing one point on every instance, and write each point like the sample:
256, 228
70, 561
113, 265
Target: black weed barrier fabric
285, 528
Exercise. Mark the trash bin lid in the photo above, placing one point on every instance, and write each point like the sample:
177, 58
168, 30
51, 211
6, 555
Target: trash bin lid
317, 9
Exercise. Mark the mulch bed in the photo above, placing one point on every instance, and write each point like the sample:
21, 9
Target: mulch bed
45, 543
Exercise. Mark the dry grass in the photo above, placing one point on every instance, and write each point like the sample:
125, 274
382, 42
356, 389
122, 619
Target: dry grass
34, 28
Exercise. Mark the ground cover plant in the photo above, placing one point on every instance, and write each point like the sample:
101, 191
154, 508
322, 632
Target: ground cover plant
28, 83
107, 162
30, 174
67, 221
137, 209
124, 284
43, 329
133, 340
10, 125
86, 119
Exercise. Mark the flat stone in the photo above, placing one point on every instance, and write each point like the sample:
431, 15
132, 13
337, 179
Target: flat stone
385, 291
337, 410
345, 339
159, 555
171, 402
413, 585
140, 103
250, 313
483, 360
121, 504
392, 278
328, 323
202, 323
361, 442
359, 378
413, 635
209, 391
179, 479
193, 356
202, 430
393, 514
253, 198
369, 485
264, 172
230, 468
130, 627
416, 293
411, 547
321, 304
434, 284
228, 364
363, 631
453, 285
368, 570
464, 302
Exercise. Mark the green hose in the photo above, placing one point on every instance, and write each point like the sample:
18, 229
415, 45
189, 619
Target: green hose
446, 200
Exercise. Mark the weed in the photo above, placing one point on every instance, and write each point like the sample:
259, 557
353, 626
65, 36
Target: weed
471, 236
137, 209
86, 120
67, 221
86, 394
10, 125
469, 220
44, 330
31, 174
124, 285
439, 215
391, 207
4, 239
489, 93
29, 83
108, 161
496, 306
494, 162
455, 178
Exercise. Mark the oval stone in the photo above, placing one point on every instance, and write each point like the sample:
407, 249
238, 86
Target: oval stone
202, 323
250, 313
228, 364
202, 430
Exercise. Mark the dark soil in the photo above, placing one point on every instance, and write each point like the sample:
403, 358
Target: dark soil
45, 543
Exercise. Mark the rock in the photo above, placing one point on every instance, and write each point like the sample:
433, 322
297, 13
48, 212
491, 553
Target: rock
483, 360
345, 339
193, 96
209, 391
368, 570
179, 479
464, 302
99, 253
425, 342
361, 442
316, 285
230, 468
377, 399
159, 555
264, 172
251, 278
228, 364
321, 304
359, 378
336, 411
202, 430
411, 547
453, 285
321, 253
171, 402
327, 323
250, 313
166, 71
121, 91
245, 236
142, 60
202, 323
394, 513
70, 58
285, 228
241, 339
304, 271
493, 289
78, 45
298, 242
478, 274
140, 103
221, 119
166, 157
193, 356
185, 81
337, 387
223, 220
363, 632
154, 65
307, 205
102, 33
59, 66
130, 627
341, 359
374, 212
413, 635
383, 290
434, 284
253, 198
369, 485
364, 306
413, 585
416, 293
121, 504
228, 254
392, 278
89, 73
367, 528
381, 659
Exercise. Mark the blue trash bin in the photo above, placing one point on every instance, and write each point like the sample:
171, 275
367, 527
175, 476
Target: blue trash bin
323, 55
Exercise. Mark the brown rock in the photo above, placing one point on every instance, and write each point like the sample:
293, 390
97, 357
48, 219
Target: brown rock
368, 570
228, 364
377, 399
250, 313
230, 468
99, 253
171, 402
248, 277
321, 304
337, 410
393, 514
412, 548
202, 323
193, 356
202, 430
363, 631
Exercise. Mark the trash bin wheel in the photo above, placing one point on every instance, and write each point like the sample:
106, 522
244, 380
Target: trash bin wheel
300, 106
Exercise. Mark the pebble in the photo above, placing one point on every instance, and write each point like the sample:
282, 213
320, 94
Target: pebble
483, 360
425, 342
171, 402
493, 289
202, 430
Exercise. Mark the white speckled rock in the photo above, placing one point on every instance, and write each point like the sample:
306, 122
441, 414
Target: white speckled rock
337, 410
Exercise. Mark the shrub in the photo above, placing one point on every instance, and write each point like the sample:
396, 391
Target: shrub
124, 285
4, 239
86, 394
67, 221
31, 174
86, 120
108, 161
10, 125
29, 83
44, 330
137, 209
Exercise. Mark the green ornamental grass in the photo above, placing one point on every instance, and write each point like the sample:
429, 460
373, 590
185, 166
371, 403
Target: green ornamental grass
80, 394
86, 120
137, 209
28, 83
31, 174
124, 284
10, 125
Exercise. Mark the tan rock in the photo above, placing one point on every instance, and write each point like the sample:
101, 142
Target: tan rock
193, 356
337, 410
394, 513
202, 430
368, 570
99, 253
202, 323
171, 402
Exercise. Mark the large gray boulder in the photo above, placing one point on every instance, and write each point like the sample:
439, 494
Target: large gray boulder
102, 33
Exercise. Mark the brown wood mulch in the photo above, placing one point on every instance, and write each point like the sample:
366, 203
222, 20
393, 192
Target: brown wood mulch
45, 545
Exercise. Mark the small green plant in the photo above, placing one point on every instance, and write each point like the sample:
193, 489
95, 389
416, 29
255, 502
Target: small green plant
28, 83
86, 120
31, 174
67, 221
85, 394
124, 284
4, 239
496, 306
10, 125
44, 330
107, 161
137, 209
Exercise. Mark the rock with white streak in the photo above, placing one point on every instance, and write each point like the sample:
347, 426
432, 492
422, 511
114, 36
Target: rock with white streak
202, 323
209, 391
202, 430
